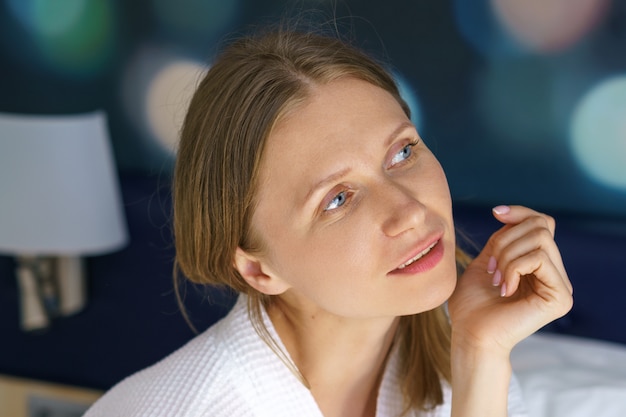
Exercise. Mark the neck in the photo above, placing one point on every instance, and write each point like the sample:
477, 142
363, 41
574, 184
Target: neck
342, 359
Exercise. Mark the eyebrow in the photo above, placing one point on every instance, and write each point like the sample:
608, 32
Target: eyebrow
342, 173
401, 127
330, 179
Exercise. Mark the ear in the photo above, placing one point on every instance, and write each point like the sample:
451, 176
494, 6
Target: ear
257, 274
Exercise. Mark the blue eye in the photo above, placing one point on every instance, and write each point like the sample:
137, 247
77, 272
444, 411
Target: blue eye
338, 201
404, 154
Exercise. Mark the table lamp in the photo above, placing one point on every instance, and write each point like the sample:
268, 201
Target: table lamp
59, 201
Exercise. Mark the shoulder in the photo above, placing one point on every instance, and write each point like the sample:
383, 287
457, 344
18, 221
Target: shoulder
196, 380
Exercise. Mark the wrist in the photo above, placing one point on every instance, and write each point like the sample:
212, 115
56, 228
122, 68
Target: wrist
480, 379
474, 346
468, 359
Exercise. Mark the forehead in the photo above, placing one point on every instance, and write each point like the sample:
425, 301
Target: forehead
340, 124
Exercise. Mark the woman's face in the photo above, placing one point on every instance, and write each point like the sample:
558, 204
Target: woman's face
349, 196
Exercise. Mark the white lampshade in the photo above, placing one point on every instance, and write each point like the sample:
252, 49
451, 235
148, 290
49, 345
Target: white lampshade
59, 192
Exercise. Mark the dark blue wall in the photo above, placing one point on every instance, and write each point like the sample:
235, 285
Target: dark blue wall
499, 101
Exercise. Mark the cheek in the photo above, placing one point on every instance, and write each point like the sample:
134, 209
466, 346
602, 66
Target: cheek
437, 172
323, 265
326, 254
436, 183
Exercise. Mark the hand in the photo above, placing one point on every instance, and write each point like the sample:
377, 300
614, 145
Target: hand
515, 286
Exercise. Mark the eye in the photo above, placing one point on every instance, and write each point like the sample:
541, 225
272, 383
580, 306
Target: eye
404, 154
337, 201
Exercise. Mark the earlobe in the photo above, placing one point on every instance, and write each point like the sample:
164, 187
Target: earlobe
254, 272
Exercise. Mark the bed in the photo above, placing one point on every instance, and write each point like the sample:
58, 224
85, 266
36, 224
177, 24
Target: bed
566, 376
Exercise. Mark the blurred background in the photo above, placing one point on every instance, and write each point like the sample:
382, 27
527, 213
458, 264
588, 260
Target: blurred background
522, 101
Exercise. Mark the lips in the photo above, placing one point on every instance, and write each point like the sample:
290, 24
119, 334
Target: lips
418, 256
423, 259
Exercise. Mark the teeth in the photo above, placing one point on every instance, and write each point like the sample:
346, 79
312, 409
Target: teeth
418, 256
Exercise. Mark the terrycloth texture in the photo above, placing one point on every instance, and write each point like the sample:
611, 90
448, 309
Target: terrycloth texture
229, 371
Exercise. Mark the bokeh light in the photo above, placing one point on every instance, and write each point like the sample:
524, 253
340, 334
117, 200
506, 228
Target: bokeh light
505, 28
514, 101
196, 20
480, 28
75, 37
549, 26
46, 18
159, 84
167, 99
156, 90
598, 132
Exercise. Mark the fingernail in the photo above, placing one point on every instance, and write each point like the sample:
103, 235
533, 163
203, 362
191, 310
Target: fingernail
501, 209
503, 290
491, 265
497, 278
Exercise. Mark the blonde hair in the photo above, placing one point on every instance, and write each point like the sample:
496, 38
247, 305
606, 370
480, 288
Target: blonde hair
253, 83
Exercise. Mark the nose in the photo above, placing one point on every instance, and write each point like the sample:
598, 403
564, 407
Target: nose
400, 209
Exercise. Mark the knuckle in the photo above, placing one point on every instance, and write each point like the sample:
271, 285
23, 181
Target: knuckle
498, 240
539, 221
513, 266
546, 221
542, 234
525, 264
542, 256
542, 224
550, 223
566, 303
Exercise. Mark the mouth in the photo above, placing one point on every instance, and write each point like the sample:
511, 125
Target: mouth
418, 256
425, 259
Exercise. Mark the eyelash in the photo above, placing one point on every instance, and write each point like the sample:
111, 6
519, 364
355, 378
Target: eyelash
348, 194
410, 146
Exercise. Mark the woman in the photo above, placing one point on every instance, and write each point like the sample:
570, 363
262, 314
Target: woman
302, 184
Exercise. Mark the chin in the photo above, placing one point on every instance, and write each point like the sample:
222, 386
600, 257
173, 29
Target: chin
433, 298
436, 286
444, 287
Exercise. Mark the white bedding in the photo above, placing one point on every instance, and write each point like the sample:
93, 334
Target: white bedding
564, 376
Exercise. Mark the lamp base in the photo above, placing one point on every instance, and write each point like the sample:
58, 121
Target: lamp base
49, 287
70, 278
33, 314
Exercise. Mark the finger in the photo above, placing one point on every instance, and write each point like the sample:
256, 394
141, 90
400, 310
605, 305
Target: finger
521, 239
510, 233
548, 286
511, 269
516, 240
517, 214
